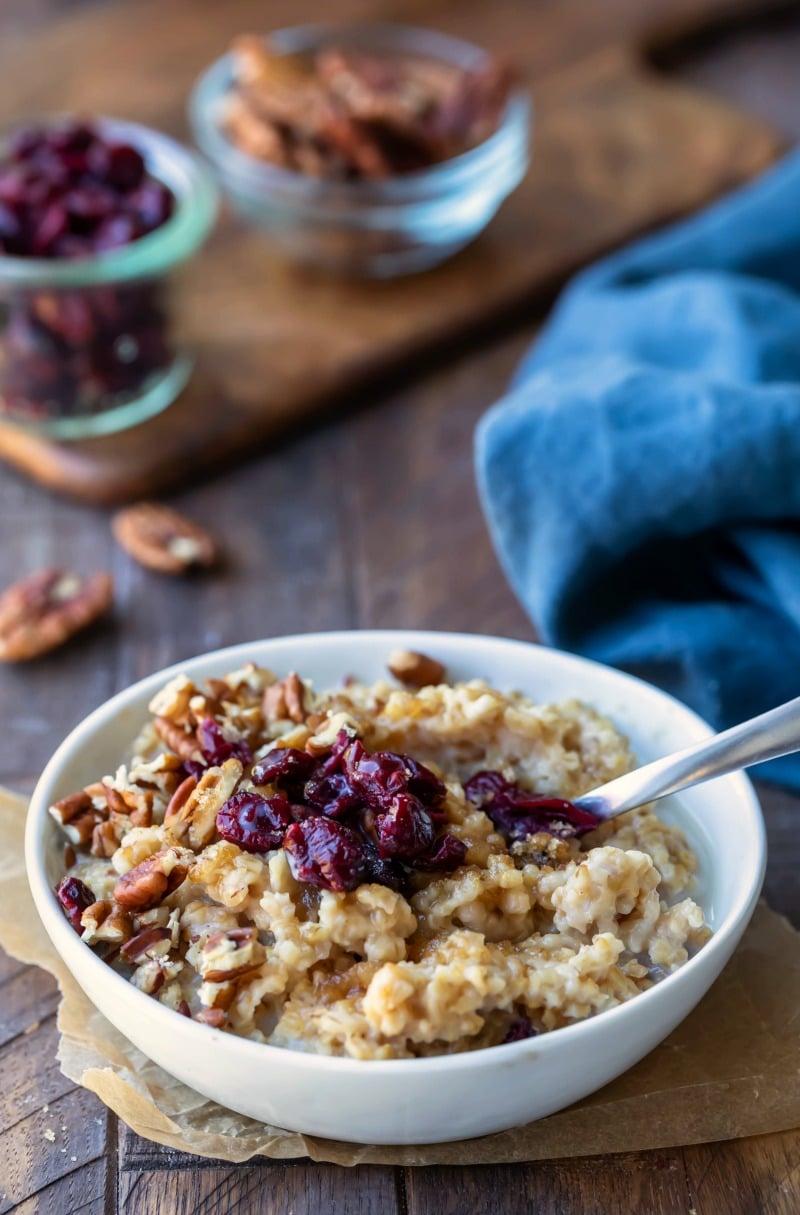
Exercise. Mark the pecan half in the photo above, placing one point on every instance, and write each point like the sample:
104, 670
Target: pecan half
105, 839
196, 821
151, 880
46, 609
161, 539
284, 700
415, 670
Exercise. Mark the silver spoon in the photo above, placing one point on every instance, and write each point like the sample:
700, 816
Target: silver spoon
765, 737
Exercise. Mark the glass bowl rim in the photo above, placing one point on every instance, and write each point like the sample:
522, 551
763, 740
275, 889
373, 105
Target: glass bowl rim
248, 173
197, 203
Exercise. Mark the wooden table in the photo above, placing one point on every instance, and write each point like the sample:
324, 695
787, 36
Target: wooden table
369, 521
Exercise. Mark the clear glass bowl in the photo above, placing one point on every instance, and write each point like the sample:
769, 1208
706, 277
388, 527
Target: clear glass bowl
369, 228
88, 347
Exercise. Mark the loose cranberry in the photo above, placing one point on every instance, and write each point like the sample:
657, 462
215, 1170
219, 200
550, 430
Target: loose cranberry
286, 767
333, 795
255, 823
215, 748
405, 831
380, 776
326, 854
448, 854
519, 1029
74, 897
517, 813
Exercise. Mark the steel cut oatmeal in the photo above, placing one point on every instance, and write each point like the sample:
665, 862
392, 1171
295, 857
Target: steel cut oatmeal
381, 872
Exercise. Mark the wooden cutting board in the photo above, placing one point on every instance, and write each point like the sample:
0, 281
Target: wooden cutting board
617, 150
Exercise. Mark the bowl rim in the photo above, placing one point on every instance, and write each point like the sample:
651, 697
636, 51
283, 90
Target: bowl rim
69, 945
170, 162
451, 174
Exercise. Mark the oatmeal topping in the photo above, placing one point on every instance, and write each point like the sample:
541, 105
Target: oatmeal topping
376, 871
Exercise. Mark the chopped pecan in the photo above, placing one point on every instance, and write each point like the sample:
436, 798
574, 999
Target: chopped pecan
215, 1017
228, 955
172, 701
284, 700
81, 828
46, 609
162, 539
102, 921
415, 670
180, 797
196, 821
152, 880
69, 856
105, 839
151, 942
183, 744
68, 808
184, 1009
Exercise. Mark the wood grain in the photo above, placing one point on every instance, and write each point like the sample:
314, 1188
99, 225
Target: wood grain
617, 151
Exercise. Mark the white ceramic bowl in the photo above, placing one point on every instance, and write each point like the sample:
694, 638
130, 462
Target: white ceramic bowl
449, 1097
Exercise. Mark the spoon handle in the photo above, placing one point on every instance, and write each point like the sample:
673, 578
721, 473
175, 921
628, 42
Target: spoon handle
765, 737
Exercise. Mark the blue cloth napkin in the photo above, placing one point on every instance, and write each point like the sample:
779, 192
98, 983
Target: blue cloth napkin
641, 480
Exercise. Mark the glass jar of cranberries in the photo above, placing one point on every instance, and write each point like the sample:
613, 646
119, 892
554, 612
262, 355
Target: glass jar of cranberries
94, 217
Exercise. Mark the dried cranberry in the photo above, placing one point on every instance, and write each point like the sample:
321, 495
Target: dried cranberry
215, 747
405, 830
380, 776
255, 823
74, 897
327, 854
382, 870
448, 854
517, 813
519, 1029
286, 767
332, 795
119, 164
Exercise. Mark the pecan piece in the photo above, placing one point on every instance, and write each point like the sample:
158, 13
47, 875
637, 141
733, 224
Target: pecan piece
196, 821
183, 744
415, 670
102, 921
46, 609
149, 943
161, 539
68, 808
180, 798
215, 1017
229, 955
105, 839
151, 880
284, 700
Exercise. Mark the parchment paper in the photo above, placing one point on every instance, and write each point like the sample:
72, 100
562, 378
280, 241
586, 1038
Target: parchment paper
731, 1069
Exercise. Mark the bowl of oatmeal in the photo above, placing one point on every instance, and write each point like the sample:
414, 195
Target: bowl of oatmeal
338, 883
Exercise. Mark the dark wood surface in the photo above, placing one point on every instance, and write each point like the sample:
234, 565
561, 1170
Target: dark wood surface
371, 520
617, 149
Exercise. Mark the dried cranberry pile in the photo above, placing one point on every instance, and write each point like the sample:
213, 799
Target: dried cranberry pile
68, 193
516, 812
347, 818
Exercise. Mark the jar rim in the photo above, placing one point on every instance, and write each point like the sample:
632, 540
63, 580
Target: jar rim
196, 205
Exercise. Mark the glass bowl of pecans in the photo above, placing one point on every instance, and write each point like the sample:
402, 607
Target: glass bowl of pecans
95, 215
368, 150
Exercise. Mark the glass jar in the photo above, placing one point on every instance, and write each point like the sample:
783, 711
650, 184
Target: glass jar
88, 346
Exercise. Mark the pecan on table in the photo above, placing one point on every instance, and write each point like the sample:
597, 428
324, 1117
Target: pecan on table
46, 609
162, 539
